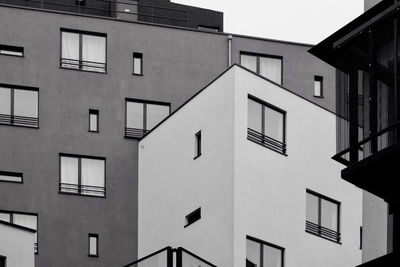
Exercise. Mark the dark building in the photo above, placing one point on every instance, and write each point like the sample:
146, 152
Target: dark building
366, 54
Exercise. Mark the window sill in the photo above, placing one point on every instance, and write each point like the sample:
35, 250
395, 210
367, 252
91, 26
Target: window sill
323, 237
80, 70
11, 55
93, 256
317, 96
81, 195
21, 126
11, 182
94, 131
136, 74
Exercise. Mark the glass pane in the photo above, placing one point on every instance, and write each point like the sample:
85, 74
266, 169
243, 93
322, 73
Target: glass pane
312, 208
253, 256
317, 88
249, 62
70, 49
5, 216
254, 118
155, 114
93, 175
92, 245
271, 68
272, 257
273, 124
69, 174
29, 221
94, 52
26, 103
137, 65
329, 215
93, 122
134, 115
5, 101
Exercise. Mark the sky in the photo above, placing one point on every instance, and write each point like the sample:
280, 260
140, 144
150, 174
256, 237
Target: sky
304, 21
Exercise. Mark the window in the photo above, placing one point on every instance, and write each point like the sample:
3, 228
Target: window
269, 67
19, 106
323, 216
3, 261
318, 86
93, 120
28, 220
193, 217
82, 175
263, 254
83, 51
137, 64
10, 50
12, 177
93, 245
266, 125
142, 116
197, 145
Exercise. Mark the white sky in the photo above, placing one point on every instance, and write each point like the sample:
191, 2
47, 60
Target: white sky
306, 21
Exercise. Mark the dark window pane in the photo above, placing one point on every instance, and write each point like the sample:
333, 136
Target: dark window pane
272, 257
329, 215
312, 208
273, 124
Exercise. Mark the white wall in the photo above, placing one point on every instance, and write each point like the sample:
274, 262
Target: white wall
270, 188
17, 246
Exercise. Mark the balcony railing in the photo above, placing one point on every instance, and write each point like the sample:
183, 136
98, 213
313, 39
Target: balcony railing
321, 231
87, 190
266, 141
83, 65
135, 132
19, 120
128, 10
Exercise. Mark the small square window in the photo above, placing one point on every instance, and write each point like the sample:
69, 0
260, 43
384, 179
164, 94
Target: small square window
93, 245
11, 177
137, 64
93, 120
10, 50
318, 86
197, 147
193, 217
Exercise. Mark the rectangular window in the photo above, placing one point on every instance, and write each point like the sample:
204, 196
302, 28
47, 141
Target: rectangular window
93, 245
10, 50
318, 86
322, 216
19, 106
142, 116
93, 120
267, 66
197, 145
137, 63
193, 217
3, 261
82, 175
83, 51
263, 254
12, 177
266, 125
28, 220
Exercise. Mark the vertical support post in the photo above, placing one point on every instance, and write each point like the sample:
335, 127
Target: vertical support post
373, 98
230, 37
170, 257
178, 257
353, 115
397, 79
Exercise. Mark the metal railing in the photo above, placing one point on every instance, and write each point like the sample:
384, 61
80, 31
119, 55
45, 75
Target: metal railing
135, 132
129, 10
321, 231
88, 190
369, 146
19, 120
266, 141
83, 65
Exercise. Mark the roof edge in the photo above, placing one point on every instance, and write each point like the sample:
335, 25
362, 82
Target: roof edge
17, 226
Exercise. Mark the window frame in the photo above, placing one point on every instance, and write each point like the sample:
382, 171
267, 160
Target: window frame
283, 149
319, 234
12, 48
93, 235
12, 174
198, 144
197, 218
264, 243
12, 88
80, 157
139, 56
80, 60
258, 56
320, 79
144, 131
97, 113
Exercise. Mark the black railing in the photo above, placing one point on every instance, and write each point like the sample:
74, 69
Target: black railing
88, 190
19, 120
83, 65
124, 10
321, 231
135, 132
369, 146
266, 141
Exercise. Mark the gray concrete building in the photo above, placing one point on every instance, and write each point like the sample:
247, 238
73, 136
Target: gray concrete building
76, 92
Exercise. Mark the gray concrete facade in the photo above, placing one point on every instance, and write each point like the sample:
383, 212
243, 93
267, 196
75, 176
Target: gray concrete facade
177, 63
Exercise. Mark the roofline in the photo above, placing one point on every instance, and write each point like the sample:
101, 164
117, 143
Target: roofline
18, 226
210, 83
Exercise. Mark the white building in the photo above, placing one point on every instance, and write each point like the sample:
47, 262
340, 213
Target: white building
229, 194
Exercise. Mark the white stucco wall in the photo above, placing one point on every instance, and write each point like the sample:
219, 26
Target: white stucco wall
270, 188
17, 246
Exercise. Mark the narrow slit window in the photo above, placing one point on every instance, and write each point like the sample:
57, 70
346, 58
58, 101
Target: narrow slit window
193, 217
11, 50
137, 63
3, 261
93, 245
197, 145
318, 86
93, 120
11, 177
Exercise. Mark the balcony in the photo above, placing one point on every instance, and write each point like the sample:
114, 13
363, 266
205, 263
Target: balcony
86, 190
323, 232
266, 141
19, 121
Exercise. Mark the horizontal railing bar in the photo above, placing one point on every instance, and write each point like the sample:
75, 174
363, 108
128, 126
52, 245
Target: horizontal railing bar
258, 133
85, 61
